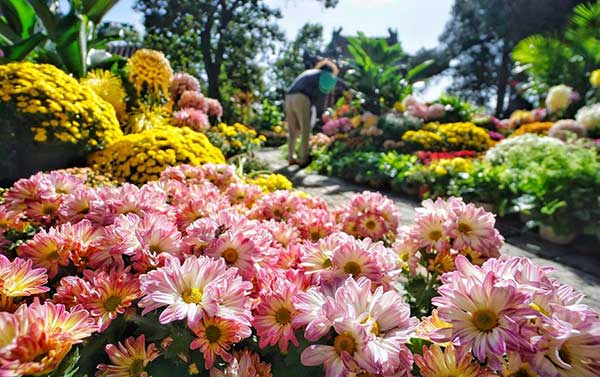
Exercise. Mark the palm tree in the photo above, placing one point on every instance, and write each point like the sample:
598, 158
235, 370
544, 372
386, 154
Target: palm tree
553, 59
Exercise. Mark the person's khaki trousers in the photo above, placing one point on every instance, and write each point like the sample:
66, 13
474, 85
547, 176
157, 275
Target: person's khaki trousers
298, 116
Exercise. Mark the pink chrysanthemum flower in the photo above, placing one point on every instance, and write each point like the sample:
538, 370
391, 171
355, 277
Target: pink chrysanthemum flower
472, 227
192, 118
437, 363
279, 205
19, 279
182, 173
244, 364
383, 315
486, 317
198, 208
349, 347
71, 291
356, 258
180, 82
77, 205
369, 214
46, 249
237, 250
314, 224
194, 100
45, 210
83, 240
214, 108
317, 258
158, 237
244, 194
430, 232
568, 344
129, 358
220, 175
111, 294
283, 234
37, 337
193, 290
273, 318
214, 337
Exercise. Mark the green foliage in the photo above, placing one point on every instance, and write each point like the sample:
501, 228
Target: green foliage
267, 116
378, 72
394, 125
480, 36
289, 364
552, 59
68, 367
32, 29
297, 56
223, 39
558, 183
457, 110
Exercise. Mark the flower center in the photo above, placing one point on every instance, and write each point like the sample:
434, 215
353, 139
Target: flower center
564, 355
112, 303
192, 296
52, 256
484, 320
435, 235
49, 209
327, 263
283, 316
230, 255
315, 235
344, 343
374, 326
155, 249
213, 333
464, 228
371, 224
136, 368
352, 268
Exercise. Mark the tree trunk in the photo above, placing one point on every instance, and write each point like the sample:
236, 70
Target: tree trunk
214, 84
503, 76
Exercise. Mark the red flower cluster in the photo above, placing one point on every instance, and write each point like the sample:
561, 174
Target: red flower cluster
426, 156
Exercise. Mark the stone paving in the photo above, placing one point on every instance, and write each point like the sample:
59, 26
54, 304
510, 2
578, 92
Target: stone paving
576, 266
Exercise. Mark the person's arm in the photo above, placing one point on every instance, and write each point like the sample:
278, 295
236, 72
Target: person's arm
320, 100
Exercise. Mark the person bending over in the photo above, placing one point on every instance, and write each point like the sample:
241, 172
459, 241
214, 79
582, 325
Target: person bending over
308, 90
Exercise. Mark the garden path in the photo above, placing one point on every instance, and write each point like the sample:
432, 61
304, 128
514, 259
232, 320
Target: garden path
575, 265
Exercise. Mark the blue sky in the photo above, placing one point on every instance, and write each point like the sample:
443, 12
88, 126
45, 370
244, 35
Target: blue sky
419, 22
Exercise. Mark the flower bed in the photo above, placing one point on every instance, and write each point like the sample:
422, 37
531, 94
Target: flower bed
200, 272
508, 165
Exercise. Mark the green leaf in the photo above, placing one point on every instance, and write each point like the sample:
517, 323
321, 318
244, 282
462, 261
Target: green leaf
418, 69
49, 20
68, 367
167, 367
71, 45
20, 50
20, 16
95, 10
7, 33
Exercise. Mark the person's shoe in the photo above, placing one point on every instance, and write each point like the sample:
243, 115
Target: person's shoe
292, 161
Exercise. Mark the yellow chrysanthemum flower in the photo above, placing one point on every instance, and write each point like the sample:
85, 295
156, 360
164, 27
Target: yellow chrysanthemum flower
141, 157
271, 182
56, 106
109, 87
595, 78
146, 117
150, 71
